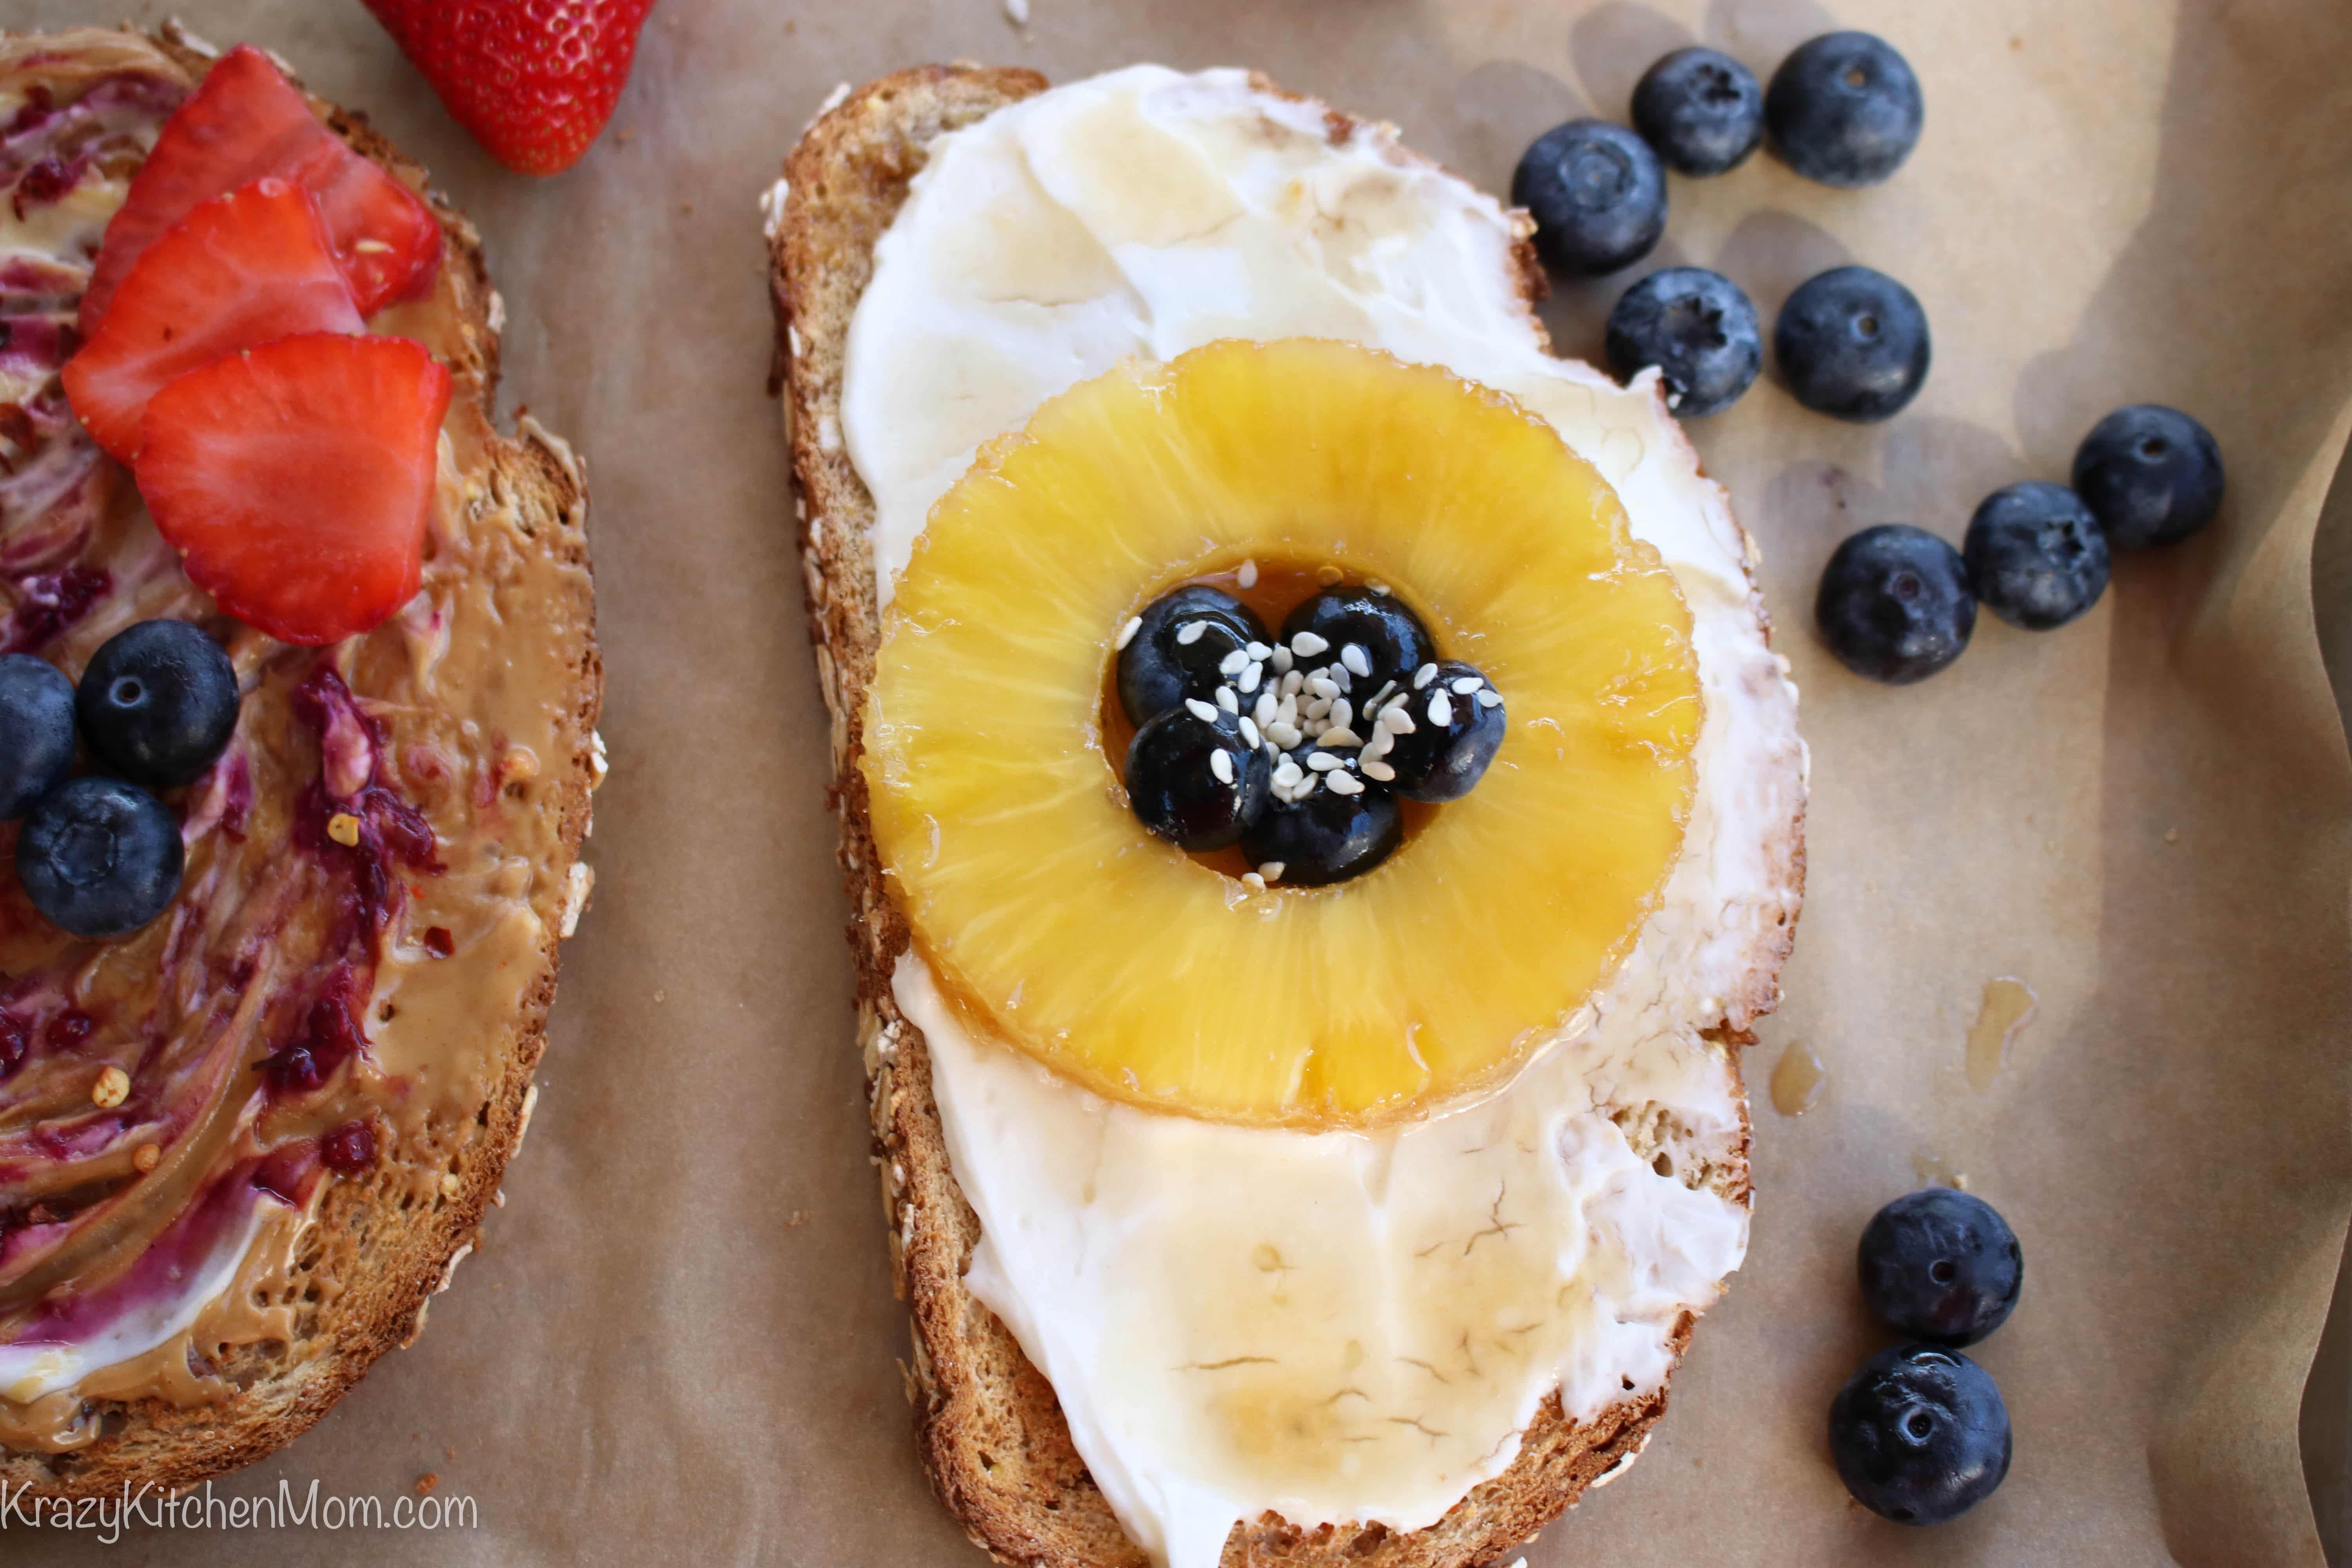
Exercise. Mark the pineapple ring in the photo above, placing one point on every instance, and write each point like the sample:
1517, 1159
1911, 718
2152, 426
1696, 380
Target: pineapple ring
1067, 930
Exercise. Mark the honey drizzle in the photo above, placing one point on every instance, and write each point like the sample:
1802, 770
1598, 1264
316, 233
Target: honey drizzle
2007, 1008
1800, 1080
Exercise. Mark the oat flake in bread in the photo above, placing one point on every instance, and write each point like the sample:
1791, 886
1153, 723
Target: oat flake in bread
951, 230
329, 1037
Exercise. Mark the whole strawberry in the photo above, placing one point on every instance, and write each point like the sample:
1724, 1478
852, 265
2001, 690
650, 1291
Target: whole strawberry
534, 80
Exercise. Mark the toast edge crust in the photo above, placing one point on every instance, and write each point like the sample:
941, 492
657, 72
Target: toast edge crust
384, 1306
987, 1425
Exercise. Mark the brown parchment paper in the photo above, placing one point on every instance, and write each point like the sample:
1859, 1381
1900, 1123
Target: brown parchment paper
678, 1342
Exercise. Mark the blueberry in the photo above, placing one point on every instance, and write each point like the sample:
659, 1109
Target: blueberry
1694, 325
158, 702
1845, 108
37, 731
1597, 196
1701, 109
2149, 474
1158, 668
1326, 838
1453, 736
1852, 344
1194, 781
1939, 1265
1896, 604
100, 857
2036, 557
1393, 640
1920, 1435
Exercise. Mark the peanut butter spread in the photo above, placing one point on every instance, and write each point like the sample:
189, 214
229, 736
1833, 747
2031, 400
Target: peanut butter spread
377, 868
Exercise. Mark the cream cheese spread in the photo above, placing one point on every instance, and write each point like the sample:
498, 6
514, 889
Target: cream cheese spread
1334, 1327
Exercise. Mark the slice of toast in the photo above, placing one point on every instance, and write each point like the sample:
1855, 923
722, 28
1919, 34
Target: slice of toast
988, 1425
380, 1244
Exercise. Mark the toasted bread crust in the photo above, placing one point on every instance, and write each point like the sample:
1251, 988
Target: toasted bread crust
989, 1428
370, 1263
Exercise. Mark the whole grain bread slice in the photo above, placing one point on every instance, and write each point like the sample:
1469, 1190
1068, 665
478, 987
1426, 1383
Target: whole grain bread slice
988, 1426
365, 1270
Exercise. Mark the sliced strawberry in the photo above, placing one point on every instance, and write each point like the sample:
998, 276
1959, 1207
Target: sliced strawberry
238, 270
246, 120
296, 480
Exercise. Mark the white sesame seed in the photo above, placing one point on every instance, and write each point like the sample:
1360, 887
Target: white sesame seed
1318, 708
1127, 633
1258, 650
1424, 676
1441, 712
1227, 700
1287, 773
1395, 719
1200, 710
1379, 587
1273, 752
1189, 633
1489, 700
1343, 714
1378, 770
1337, 676
1306, 787
1272, 870
1254, 882
1249, 732
1221, 762
1465, 685
1232, 663
1379, 744
1345, 783
1247, 575
1252, 673
1306, 645
1265, 710
1379, 697
1354, 657
1284, 735
1280, 659
1292, 682
1323, 686
1341, 737
1323, 761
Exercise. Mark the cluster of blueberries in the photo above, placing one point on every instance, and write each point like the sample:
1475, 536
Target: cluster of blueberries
100, 855
1843, 110
1896, 603
1298, 749
1920, 1435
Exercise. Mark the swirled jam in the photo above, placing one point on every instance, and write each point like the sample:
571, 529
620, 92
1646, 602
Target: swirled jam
308, 1012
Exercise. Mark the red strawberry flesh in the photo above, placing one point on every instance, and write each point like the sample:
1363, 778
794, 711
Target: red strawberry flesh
238, 270
296, 480
248, 121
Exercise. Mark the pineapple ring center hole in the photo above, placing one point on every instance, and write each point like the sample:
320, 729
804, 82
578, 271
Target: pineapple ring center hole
1278, 588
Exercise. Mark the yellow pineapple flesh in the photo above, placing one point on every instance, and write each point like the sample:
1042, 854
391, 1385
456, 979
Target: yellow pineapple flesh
1070, 932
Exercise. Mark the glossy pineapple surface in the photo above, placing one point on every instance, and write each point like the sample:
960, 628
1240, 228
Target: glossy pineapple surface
1067, 929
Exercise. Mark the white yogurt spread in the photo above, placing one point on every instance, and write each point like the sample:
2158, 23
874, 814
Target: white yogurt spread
29, 1369
1334, 1327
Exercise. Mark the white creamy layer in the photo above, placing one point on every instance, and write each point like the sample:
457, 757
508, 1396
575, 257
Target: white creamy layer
1334, 1327
29, 1370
